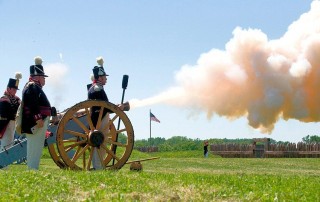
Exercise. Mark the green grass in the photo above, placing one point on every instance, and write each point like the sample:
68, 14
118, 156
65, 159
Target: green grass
176, 176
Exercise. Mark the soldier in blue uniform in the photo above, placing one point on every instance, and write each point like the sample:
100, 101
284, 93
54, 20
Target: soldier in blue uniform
9, 104
96, 92
36, 114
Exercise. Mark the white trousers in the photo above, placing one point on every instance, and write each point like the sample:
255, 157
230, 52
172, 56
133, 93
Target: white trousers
96, 162
8, 136
35, 144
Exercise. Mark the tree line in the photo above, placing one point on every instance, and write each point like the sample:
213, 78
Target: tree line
311, 139
180, 143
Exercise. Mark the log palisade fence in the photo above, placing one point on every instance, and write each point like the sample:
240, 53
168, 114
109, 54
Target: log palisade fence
147, 149
266, 150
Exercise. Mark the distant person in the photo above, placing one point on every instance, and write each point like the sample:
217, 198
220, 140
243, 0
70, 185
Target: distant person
205, 148
35, 114
254, 144
9, 104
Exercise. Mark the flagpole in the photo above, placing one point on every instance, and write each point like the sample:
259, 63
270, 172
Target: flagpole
150, 125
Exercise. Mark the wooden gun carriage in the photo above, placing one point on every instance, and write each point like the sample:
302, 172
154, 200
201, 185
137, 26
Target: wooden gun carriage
73, 138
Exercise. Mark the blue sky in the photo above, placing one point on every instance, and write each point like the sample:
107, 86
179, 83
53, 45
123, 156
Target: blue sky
148, 40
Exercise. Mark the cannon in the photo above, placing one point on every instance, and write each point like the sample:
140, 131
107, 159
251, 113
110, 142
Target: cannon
73, 138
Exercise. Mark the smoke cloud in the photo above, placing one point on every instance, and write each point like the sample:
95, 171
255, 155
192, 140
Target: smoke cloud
255, 77
61, 57
56, 82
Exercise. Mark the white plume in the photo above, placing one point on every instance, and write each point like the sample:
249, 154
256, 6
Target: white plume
100, 61
18, 75
92, 77
38, 60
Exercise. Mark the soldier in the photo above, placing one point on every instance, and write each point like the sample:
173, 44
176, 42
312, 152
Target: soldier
36, 114
96, 92
9, 104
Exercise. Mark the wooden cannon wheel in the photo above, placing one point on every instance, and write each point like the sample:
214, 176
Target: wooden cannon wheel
83, 145
54, 153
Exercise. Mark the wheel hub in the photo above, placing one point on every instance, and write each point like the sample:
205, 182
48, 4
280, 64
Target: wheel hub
96, 138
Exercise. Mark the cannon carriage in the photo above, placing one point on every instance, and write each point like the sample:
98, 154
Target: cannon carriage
73, 139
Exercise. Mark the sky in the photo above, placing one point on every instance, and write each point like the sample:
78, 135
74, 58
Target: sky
206, 69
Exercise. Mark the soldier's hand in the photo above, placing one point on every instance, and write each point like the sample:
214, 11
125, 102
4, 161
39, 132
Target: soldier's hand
125, 106
121, 106
40, 123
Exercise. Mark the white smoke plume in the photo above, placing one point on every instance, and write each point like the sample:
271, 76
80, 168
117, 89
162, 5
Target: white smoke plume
255, 77
56, 82
61, 57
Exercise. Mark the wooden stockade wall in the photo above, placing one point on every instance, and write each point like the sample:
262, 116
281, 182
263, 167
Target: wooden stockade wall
292, 150
232, 150
147, 149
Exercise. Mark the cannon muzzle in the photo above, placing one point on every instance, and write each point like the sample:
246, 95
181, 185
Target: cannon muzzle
126, 106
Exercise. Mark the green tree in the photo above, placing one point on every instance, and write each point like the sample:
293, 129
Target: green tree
122, 138
311, 139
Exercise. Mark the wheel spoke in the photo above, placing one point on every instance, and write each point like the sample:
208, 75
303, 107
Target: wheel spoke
90, 158
122, 130
89, 119
110, 122
109, 134
70, 140
100, 117
71, 132
79, 153
71, 146
76, 120
76, 153
115, 143
110, 152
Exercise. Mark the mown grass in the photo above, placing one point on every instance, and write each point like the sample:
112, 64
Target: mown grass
176, 176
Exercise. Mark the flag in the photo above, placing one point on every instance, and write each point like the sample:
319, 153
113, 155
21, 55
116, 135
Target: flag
154, 118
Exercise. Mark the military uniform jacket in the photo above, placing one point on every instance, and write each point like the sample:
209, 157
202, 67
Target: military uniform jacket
8, 110
96, 92
36, 106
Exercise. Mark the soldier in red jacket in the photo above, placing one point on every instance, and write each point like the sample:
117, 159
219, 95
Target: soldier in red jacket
9, 104
35, 114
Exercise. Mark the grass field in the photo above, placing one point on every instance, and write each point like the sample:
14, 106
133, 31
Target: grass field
176, 176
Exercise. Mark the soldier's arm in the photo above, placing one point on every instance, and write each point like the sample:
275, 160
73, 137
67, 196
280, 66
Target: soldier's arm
4, 110
32, 95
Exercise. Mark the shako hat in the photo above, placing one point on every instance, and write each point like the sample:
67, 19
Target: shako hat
14, 83
37, 68
99, 70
